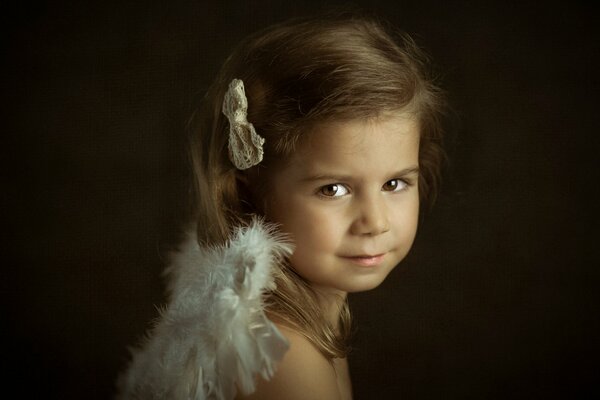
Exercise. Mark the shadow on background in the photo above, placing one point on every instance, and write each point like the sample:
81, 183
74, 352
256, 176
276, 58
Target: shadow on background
498, 298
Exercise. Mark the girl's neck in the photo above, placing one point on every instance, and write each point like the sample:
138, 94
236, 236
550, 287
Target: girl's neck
332, 302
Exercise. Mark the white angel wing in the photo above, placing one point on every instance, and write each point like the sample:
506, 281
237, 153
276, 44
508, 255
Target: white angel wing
213, 336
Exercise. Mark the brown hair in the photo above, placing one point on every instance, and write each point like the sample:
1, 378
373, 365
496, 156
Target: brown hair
298, 74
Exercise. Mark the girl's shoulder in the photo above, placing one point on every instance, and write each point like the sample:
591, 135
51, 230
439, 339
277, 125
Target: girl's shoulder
303, 373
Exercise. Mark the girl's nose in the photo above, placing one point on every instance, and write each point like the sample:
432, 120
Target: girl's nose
372, 217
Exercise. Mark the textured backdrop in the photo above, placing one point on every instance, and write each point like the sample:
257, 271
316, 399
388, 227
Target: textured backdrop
499, 297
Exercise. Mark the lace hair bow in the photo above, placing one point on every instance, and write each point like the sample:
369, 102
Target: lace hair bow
245, 145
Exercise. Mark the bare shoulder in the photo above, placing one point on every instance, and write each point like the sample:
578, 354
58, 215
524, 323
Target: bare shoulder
303, 374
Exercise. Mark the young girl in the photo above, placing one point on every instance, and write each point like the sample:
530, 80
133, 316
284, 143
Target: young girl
317, 142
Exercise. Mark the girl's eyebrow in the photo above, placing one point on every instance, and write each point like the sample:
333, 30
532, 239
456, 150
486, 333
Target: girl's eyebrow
413, 170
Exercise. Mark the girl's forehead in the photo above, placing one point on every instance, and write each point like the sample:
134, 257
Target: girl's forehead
357, 147
349, 134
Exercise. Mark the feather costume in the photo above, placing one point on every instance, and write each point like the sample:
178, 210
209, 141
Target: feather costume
213, 337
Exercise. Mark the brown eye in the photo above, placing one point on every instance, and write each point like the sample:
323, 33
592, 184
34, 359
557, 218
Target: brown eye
394, 185
333, 190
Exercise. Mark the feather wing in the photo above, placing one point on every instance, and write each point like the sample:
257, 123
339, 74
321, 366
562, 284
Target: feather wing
213, 336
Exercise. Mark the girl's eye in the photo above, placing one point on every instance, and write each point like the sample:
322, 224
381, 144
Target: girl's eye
394, 185
333, 190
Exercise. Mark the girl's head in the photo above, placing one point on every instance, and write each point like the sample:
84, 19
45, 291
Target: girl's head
344, 106
298, 75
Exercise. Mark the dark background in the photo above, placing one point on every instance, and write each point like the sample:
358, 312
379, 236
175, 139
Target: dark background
499, 297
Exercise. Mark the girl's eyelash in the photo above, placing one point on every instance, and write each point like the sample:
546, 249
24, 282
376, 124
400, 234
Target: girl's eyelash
340, 187
401, 181
337, 186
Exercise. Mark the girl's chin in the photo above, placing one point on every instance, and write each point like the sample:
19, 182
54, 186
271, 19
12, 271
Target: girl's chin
365, 285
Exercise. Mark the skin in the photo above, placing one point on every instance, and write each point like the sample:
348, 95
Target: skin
349, 199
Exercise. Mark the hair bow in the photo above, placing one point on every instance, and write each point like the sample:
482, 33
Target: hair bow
245, 145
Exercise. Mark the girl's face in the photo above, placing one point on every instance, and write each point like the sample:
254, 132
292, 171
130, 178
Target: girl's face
349, 199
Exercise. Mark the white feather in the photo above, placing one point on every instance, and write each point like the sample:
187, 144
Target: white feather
213, 336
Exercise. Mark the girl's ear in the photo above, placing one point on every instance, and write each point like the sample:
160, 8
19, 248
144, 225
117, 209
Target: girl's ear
249, 197
242, 179
252, 188
242, 184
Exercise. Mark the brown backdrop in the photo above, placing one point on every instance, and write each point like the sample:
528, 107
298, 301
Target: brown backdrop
498, 298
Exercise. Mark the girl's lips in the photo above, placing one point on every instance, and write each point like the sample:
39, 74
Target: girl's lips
367, 261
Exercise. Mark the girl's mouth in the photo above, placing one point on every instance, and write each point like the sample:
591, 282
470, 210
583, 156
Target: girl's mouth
367, 260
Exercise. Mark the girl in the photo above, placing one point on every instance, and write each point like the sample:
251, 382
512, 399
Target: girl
315, 146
